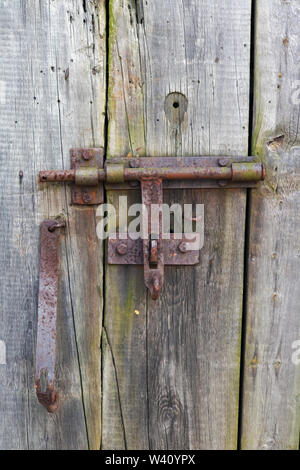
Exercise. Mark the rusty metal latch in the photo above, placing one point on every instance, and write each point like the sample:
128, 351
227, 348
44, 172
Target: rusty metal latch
88, 174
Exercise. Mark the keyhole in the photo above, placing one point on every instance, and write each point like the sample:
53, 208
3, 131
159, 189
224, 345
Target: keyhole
176, 105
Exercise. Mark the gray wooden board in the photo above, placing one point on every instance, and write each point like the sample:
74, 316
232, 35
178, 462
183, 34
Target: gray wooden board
271, 411
171, 369
52, 98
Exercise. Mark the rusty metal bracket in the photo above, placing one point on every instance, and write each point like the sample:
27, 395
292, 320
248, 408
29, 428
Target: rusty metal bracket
47, 310
154, 254
154, 251
122, 249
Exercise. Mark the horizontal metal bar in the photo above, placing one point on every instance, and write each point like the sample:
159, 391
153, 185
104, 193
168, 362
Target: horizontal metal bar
234, 172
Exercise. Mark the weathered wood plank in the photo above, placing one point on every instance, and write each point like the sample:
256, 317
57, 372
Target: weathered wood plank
171, 369
52, 98
271, 412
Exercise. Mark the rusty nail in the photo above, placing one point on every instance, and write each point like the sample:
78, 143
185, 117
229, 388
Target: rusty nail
122, 249
223, 162
182, 247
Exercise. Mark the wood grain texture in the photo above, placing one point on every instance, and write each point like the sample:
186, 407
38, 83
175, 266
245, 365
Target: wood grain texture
171, 368
271, 411
52, 93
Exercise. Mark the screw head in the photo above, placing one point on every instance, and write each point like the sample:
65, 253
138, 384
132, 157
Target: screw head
134, 163
122, 249
223, 162
182, 247
86, 156
86, 197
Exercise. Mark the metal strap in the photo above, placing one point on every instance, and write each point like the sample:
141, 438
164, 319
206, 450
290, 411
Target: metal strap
47, 312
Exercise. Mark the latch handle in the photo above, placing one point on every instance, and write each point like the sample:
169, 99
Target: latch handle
113, 173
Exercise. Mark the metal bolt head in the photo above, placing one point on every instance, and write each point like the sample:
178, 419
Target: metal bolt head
86, 156
183, 247
122, 249
86, 197
223, 162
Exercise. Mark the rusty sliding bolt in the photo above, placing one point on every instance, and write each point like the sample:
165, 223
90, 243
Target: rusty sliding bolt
234, 172
47, 311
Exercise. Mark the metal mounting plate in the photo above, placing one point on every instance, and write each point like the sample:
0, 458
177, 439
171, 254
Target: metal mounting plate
87, 158
133, 251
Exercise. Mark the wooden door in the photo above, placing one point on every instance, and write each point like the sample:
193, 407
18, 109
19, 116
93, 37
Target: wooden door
213, 363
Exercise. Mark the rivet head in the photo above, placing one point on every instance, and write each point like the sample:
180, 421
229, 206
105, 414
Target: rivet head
134, 163
182, 247
86, 156
122, 249
223, 161
86, 197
